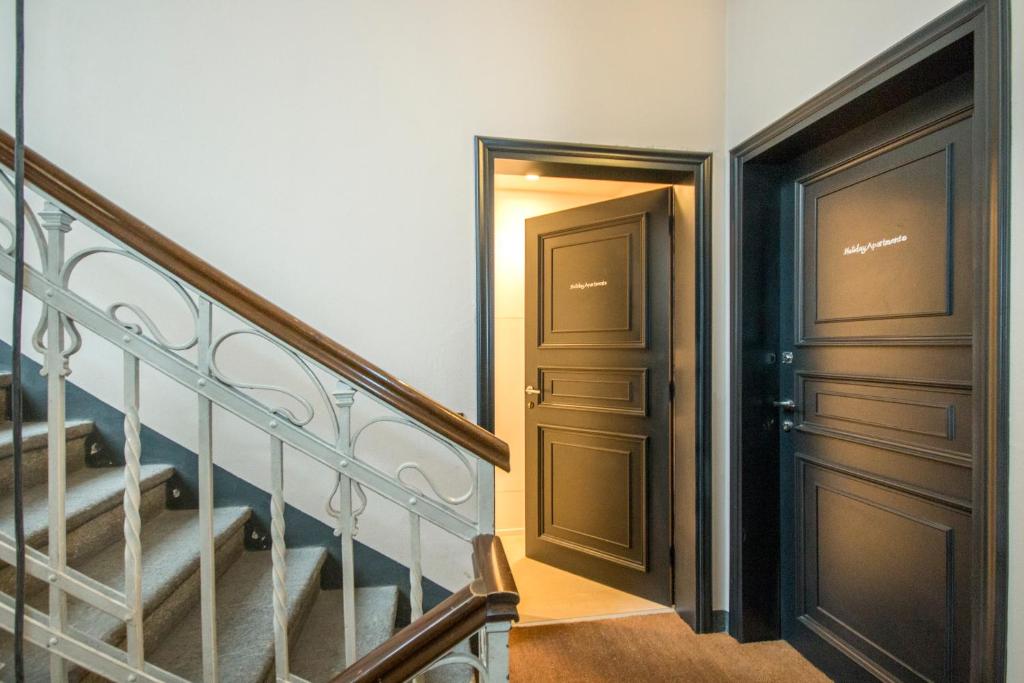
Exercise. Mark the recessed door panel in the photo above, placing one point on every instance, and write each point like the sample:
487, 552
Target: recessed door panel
593, 279
614, 390
922, 417
593, 493
886, 572
882, 240
598, 345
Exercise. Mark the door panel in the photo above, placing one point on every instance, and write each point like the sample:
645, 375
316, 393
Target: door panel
593, 493
880, 572
876, 452
598, 340
881, 258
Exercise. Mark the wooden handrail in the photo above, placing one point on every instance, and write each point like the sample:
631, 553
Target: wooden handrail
492, 596
174, 258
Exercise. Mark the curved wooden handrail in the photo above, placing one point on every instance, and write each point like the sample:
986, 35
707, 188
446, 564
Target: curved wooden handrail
492, 596
174, 258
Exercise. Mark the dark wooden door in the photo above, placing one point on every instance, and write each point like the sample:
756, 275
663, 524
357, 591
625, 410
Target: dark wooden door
598, 340
876, 409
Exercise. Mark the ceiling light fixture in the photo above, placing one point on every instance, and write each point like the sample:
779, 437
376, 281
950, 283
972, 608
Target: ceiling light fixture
532, 177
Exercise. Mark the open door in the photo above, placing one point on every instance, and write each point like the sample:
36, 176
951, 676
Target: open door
597, 386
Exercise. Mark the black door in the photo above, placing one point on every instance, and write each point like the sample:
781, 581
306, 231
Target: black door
876, 402
598, 340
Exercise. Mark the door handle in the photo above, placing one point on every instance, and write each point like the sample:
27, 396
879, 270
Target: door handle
788, 405
530, 391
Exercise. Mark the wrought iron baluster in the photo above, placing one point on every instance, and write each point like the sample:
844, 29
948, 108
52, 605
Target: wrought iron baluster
207, 549
344, 397
415, 567
277, 550
57, 224
415, 572
132, 512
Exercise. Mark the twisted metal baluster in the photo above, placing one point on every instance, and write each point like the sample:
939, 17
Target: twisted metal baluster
132, 514
277, 549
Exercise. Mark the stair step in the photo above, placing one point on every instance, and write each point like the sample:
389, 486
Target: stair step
170, 566
170, 554
95, 514
319, 653
245, 630
35, 451
90, 493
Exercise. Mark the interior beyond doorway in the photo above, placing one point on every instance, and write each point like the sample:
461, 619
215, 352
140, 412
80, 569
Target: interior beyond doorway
688, 480
548, 593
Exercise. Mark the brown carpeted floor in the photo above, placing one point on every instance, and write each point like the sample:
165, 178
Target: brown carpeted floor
659, 647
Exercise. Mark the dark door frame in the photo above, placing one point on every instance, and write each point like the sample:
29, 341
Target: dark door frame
985, 25
691, 509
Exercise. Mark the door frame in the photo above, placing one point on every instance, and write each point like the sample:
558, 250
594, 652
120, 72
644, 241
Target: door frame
987, 22
692, 595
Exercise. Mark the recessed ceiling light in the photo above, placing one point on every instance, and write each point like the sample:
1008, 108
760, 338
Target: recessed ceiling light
532, 177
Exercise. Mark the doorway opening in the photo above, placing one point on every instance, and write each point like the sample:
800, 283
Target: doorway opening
593, 356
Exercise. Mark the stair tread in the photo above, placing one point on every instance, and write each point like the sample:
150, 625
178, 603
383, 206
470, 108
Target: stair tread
170, 553
90, 492
34, 434
320, 650
245, 630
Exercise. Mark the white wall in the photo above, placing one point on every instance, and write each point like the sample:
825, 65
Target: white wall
823, 40
321, 152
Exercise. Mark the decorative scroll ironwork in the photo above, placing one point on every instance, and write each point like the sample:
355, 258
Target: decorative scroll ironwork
281, 411
30, 219
148, 325
415, 467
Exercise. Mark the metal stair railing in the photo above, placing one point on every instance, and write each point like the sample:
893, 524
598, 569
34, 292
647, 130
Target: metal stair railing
222, 312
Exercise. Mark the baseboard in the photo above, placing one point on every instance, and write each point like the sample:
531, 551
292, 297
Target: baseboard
372, 567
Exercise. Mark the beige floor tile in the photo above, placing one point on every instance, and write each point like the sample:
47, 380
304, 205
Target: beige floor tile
551, 594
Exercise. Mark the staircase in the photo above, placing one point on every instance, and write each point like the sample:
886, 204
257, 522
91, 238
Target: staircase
170, 581
137, 590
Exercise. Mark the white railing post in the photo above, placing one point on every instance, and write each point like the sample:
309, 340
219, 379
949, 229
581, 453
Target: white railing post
344, 397
278, 549
207, 548
57, 224
132, 511
496, 657
485, 496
